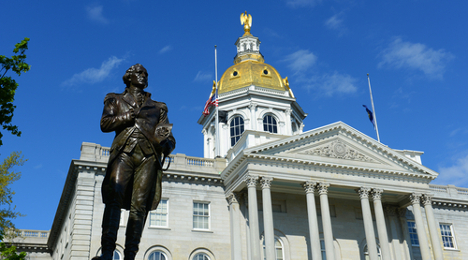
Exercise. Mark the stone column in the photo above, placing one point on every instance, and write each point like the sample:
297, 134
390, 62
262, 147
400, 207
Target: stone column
234, 210
368, 223
407, 245
268, 219
326, 220
253, 217
420, 229
253, 114
391, 212
381, 226
435, 239
245, 211
309, 188
288, 129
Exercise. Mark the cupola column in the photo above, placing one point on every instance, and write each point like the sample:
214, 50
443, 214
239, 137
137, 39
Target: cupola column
287, 129
253, 115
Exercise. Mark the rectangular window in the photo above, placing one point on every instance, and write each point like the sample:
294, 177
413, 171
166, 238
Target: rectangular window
412, 232
201, 215
448, 238
159, 217
322, 249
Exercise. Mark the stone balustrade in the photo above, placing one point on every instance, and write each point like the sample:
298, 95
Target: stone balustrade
178, 162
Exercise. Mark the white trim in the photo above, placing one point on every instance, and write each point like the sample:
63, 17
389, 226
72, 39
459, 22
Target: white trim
205, 251
158, 248
454, 241
154, 212
415, 232
209, 216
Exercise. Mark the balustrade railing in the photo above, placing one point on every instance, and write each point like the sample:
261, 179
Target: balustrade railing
32, 233
95, 152
438, 188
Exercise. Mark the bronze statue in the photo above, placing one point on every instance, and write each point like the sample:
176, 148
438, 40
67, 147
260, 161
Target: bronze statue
142, 141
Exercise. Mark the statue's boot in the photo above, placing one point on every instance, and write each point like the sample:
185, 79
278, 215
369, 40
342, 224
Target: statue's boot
110, 227
135, 225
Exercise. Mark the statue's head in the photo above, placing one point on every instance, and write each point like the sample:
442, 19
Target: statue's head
137, 76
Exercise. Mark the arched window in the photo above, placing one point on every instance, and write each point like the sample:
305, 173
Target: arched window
201, 256
237, 128
116, 255
279, 251
366, 253
157, 255
269, 124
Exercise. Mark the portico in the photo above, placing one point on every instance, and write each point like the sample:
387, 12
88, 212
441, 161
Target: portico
332, 163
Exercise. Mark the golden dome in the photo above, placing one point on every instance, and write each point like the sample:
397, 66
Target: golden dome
249, 66
249, 73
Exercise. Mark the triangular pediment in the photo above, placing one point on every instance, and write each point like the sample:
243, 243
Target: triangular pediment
335, 149
339, 145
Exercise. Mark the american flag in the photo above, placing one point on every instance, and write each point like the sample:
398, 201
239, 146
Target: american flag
212, 101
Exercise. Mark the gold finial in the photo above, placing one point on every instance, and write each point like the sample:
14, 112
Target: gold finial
246, 20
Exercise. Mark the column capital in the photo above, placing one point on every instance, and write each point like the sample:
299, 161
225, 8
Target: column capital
377, 194
309, 186
363, 192
426, 199
323, 188
402, 212
391, 211
251, 180
253, 105
415, 198
232, 198
266, 182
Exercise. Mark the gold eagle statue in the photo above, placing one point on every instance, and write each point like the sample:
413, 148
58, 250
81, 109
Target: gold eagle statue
246, 20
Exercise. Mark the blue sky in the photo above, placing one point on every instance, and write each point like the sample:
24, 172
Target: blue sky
414, 51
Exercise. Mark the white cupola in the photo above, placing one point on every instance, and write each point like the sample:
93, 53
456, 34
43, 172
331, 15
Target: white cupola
252, 96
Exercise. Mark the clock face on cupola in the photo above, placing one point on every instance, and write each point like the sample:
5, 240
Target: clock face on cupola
252, 96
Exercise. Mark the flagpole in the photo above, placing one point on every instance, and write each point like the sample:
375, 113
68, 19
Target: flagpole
218, 154
373, 109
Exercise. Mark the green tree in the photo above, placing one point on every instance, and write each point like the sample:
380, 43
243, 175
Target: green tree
7, 177
7, 210
8, 252
8, 88
8, 85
